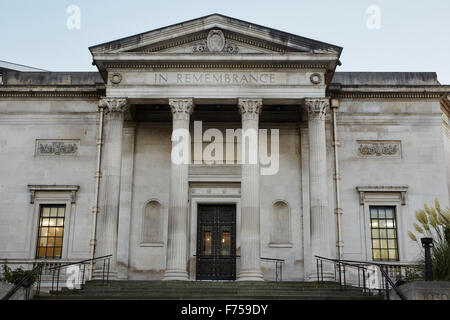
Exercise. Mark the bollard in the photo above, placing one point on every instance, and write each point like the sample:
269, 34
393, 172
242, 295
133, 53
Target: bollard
427, 244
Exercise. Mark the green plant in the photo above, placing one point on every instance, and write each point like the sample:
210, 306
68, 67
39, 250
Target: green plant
16, 275
434, 222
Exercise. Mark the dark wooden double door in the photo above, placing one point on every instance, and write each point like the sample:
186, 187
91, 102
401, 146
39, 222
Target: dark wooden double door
216, 242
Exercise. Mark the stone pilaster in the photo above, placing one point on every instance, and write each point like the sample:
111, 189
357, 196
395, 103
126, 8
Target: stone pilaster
318, 186
107, 220
177, 237
250, 215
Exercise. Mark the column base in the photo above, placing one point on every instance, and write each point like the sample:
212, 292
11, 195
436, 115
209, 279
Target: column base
250, 275
99, 275
175, 275
327, 276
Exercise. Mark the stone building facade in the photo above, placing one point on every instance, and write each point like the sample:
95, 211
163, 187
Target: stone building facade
86, 170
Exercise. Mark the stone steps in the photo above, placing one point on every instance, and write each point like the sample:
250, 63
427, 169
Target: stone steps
201, 290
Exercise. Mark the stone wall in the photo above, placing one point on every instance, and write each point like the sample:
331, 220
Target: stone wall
19, 295
413, 131
22, 123
422, 290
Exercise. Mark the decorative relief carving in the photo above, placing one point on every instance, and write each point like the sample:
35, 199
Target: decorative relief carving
216, 42
181, 108
116, 78
315, 78
379, 148
119, 105
250, 108
200, 47
57, 147
317, 108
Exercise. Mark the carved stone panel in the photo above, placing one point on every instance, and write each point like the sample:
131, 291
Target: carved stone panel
57, 147
215, 42
379, 149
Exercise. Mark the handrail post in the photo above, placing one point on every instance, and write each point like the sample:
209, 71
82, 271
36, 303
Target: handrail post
38, 285
57, 280
364, 281
53, 279
317, 267
345, 278
340, 275
107, 275
386, 275
82, 280
321, 270
281, 271
103, 272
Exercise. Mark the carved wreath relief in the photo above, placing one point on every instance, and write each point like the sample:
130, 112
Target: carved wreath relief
57, 147
216, 42
379, 149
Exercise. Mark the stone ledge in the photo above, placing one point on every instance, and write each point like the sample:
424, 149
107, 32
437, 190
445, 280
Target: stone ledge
422, 290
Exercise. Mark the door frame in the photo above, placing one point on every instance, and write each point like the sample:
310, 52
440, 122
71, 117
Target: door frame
193, 228
216, 236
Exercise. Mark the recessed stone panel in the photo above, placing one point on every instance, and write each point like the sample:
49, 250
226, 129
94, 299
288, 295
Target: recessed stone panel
46, 147
379, 148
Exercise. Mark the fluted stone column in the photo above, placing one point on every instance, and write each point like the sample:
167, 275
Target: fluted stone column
250, 218
108, 216
177, 238
318, 186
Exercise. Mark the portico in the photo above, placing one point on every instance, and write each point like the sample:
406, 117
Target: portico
224, 63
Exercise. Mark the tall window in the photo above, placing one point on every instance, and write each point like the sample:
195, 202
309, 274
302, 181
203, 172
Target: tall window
51, 231
383, 227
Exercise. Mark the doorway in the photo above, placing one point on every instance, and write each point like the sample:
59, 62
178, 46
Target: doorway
216, 242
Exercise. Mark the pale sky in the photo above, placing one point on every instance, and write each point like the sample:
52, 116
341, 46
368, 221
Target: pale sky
414, 35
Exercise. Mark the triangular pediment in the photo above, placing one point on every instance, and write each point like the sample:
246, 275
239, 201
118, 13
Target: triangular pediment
215, 34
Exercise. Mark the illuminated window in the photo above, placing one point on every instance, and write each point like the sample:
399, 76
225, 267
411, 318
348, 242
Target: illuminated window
383, 227
51, 231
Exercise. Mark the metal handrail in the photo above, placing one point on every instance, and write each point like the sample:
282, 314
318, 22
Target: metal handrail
57, 269
56, 272
80, 262
360, 266
36, 270
278, 265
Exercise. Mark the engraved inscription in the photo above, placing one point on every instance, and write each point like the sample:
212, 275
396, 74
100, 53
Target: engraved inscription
215, 78
57, 147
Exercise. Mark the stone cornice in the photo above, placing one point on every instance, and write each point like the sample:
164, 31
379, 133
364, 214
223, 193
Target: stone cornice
23, 91
137, 60
216, 21
214, 65
180, 41
387, 92
445, 105
383, 189
65, 188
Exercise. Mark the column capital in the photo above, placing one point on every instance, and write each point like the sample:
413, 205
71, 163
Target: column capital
250, 108
317, 107
119, 105
181, 108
